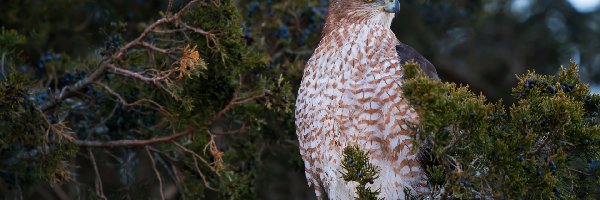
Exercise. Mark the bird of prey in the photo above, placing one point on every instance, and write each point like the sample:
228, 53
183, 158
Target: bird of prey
351, 94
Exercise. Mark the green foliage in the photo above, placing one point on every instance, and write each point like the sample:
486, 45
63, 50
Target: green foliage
32, 148
437, 175
10, 38
209, 81
544, 146
237, 186
256, 49
358, 168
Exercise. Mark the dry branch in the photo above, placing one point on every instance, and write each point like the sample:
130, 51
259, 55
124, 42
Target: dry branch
108, 61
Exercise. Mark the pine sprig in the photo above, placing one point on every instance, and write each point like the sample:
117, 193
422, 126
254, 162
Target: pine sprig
543, 146
358, 168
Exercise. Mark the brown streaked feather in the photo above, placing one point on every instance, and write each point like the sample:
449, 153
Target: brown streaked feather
407, 53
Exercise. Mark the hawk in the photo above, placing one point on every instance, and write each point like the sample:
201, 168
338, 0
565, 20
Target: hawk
351, 94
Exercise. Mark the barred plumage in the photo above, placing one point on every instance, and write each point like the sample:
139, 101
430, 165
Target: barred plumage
351, 95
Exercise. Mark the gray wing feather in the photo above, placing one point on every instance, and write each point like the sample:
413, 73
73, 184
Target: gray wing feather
407, 53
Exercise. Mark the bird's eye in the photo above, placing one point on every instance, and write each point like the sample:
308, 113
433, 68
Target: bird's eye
369, 1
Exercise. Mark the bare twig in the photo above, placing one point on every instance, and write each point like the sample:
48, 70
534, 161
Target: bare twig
195, 156
583, 173
99, 190
541, 144
207, 34
62, 195
160, 182
132, 143
169, 6
233, 102
122, 100
137, 41
192, 152
107, 62
168, 31
154, 48
69, 91
139, 76
453, 142
232, 132
248, 99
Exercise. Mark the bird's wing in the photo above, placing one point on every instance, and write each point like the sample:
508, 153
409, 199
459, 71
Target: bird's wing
407, 53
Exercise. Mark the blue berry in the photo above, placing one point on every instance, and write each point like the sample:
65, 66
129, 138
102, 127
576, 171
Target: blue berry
552, 167
41, 64
321, 10
552, 90
283, 32
115, 40
465, 183
252, 7
530, 84
566, 87
23, 68
311, 19
48, 56
593, 164
556, 192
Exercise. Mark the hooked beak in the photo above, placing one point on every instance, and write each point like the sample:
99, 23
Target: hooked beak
392, 6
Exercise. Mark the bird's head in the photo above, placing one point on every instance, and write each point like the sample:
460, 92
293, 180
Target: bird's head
362, 11
365, 6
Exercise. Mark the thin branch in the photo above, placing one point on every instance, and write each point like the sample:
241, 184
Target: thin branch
139, 76
206, 184
583, 173
150, 28
192, 152
99, 190
160, 182
453, 142
62, 195
169, 6
195, 156
154, 48
70, 90
541, 145
132, 143
104, 64
229, 105
207, 34
168, 31
122, 100
169, 167
232, 132
248, 99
